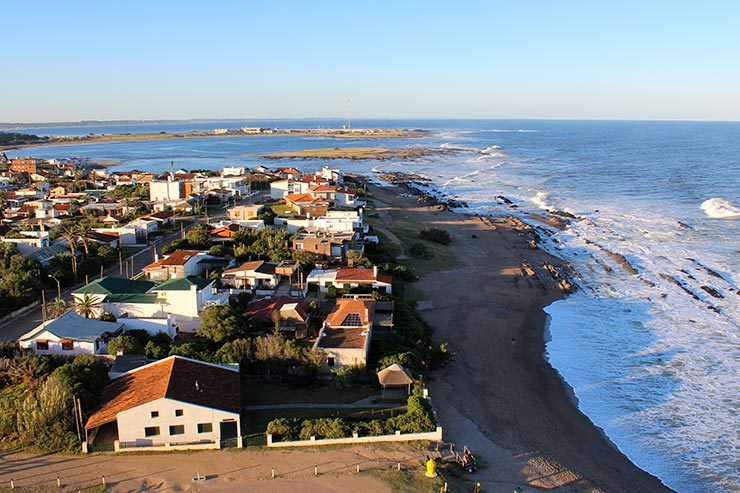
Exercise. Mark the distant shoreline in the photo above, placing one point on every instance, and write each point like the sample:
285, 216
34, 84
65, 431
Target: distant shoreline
370, 133
359, 153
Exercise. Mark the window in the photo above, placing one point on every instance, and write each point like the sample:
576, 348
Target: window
330, 361
67, 345
178, 412
42, 345
177, 429
155, 414
151, 431
205, 427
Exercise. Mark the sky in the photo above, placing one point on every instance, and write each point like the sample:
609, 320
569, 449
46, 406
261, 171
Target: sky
104, 60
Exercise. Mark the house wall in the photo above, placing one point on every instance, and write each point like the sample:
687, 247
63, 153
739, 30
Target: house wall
343, 357
152, 325
165, 190
55, 345
131, 423
136, 310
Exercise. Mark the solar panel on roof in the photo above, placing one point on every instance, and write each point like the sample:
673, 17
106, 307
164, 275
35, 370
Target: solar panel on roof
352, 320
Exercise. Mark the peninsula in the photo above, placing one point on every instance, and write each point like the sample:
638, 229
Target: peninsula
359, 153
29, 140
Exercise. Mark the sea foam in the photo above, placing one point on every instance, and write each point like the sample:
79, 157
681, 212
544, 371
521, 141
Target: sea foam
718, 208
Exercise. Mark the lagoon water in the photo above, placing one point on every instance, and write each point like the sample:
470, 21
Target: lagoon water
654, 364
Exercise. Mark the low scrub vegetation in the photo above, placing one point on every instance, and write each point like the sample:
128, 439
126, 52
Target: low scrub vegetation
436, 235
36, 397
418, 418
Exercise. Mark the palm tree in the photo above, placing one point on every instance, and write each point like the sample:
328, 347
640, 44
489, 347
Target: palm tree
82, 229
86, 306
56, 308
68, 233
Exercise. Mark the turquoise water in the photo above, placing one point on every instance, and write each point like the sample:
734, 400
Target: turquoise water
651, 365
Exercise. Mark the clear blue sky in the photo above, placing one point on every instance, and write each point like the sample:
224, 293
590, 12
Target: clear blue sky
647, 59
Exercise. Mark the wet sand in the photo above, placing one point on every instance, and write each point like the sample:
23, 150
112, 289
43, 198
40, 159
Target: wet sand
499, 395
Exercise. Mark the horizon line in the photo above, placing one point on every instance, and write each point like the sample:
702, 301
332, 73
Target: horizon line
5, 125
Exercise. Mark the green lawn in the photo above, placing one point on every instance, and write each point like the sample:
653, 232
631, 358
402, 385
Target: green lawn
279, 208
259, 392
408, 232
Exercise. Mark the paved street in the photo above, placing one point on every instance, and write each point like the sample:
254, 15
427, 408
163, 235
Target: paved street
17, 327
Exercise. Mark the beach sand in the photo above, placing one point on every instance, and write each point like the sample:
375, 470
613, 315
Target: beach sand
498, 394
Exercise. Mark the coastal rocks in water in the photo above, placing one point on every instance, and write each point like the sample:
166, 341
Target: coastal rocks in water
564, 283
567, 215
617, 257
553, 221
712, 292
709, 271
678, 283
421, 188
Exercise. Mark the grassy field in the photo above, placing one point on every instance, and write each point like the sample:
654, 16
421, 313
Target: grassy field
279, 208
408, 233
376, 153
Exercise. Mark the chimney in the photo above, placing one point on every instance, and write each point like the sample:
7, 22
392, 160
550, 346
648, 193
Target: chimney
375, 271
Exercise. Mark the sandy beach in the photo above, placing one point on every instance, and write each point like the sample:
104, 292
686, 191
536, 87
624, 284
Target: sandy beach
498, 394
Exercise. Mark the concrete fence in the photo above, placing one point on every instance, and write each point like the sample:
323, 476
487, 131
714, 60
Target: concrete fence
17, 313
134, 447
432, 436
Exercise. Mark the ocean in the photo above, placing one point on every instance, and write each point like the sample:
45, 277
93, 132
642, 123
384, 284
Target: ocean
653, 357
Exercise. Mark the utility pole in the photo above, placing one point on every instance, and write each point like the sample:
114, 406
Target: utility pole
120, 262
43, 306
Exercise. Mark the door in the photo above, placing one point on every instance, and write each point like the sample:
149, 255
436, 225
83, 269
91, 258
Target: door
228, 434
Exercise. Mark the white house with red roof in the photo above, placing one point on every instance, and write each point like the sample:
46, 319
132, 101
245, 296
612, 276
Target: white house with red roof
348, 278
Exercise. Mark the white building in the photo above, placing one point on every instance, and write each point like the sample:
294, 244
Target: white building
348, 278
346, 334
280, 188
71, 334
173, 404
234, 171
180, 300
333, 221
165, 190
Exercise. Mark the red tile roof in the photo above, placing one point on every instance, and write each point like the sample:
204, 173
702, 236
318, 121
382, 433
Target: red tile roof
178, 257
263, 309
322, 188
172, 378
356, 274
302, 197
161, 215
227, 231
363, 309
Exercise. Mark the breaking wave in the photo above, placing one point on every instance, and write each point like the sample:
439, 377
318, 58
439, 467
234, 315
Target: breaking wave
540, 200
718, 208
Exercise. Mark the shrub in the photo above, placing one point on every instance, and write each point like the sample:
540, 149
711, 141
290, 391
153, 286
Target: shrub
85, 376
182, 244
420, 250
217, 250
325, 428
349, 375
436, 235
220, 323
370, 428
126, 343
284, 428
